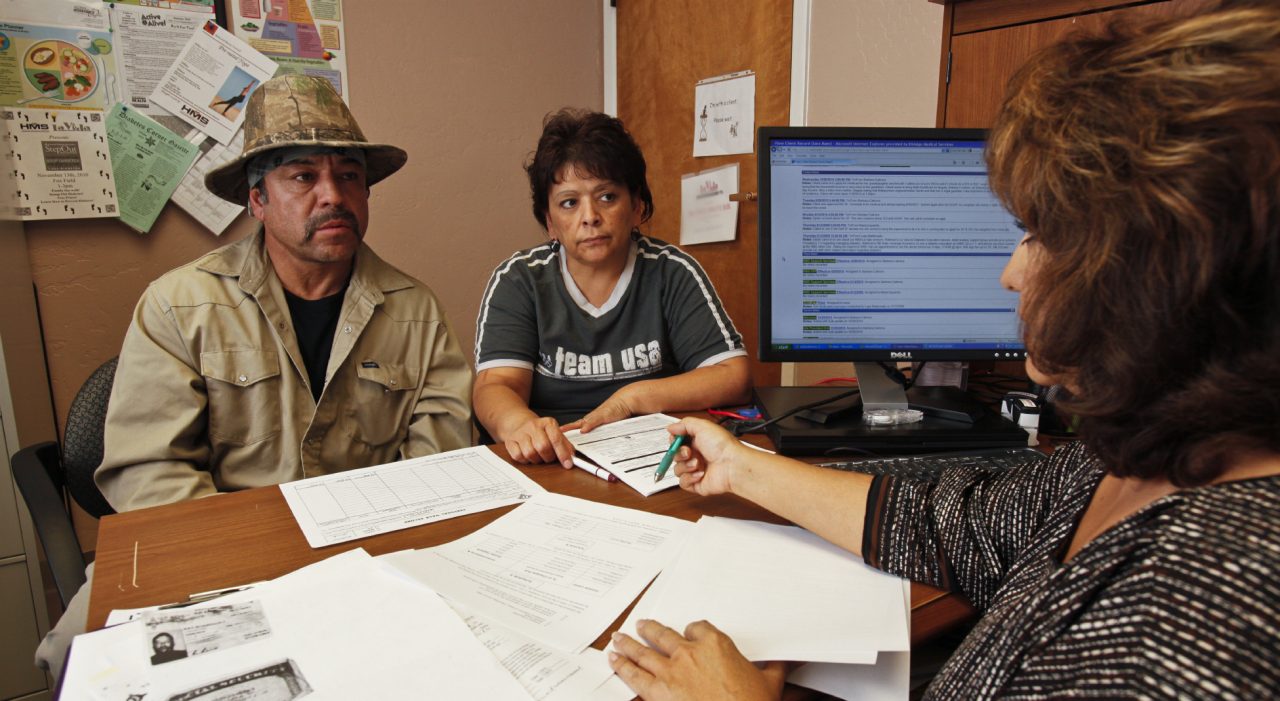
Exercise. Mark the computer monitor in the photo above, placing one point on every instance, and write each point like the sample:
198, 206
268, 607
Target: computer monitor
883, 245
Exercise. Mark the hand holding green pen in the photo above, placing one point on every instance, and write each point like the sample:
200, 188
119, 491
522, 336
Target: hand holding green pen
667, 457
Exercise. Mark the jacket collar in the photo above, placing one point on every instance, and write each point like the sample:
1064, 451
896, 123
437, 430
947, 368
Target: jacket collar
248, 261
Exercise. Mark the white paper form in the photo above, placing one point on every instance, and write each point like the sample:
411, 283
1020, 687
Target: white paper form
215, 213
210, 83
345, 628
724, 114
889, 679
383, 498
706, 213
630, 449
545, 673
557, 569
781, 593
149, 40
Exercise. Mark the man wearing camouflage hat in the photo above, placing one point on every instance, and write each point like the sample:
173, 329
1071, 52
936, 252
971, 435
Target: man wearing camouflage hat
292, 353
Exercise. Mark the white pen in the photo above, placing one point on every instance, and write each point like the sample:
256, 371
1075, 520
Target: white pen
581, 463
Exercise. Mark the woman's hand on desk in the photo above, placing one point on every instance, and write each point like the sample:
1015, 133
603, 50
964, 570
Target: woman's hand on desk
539, 440
701, 664
709, 458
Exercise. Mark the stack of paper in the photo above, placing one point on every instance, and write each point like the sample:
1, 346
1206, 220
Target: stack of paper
782, 593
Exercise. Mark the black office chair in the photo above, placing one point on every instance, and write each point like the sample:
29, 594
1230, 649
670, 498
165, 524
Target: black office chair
82, 440
37, 471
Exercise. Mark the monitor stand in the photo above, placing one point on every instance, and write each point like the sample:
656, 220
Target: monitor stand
953, 420
879, 391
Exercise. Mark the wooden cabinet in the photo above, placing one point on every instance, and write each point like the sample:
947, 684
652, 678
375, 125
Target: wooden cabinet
26, 417
984, 42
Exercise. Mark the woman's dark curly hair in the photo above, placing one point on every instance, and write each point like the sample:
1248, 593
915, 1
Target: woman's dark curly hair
595, 144
1146, 163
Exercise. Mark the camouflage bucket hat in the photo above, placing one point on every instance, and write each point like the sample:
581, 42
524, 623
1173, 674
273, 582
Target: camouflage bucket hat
298, 110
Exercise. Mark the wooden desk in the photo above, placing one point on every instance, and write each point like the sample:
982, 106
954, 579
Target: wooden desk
163, 554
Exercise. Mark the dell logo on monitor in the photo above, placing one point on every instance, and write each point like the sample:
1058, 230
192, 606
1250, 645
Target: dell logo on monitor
900, 355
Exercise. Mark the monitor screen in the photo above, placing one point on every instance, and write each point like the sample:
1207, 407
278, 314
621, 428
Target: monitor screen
882, 244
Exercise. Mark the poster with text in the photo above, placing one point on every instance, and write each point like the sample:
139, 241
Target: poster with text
57, 165
210, 83
149, 41
724, 120
302, 36
148, 161
56, 55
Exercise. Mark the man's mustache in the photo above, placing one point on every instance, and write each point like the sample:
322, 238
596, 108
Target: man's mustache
319, 219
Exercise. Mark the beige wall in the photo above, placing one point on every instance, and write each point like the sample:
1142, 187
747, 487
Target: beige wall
462, 86
872, 63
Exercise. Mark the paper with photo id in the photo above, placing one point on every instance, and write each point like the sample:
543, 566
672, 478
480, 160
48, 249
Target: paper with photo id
383, 498
630, 449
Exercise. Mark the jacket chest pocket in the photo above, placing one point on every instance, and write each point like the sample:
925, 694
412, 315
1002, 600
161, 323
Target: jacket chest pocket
244, 389
385, 398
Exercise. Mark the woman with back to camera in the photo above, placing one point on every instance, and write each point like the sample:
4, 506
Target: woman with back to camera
1143, 560
600, 323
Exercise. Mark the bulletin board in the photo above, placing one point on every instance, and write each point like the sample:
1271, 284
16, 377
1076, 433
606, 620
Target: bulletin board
664, 49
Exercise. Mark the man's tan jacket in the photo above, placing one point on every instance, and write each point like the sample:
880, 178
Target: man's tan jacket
211, 393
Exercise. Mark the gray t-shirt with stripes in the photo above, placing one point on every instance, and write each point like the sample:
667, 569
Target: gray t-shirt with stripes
663, 318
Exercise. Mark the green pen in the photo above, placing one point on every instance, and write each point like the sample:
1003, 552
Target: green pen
667, 457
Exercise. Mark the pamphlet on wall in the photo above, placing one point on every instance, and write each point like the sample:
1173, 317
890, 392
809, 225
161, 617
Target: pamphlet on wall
210, 83
706, 213
215, 213
148, 160
56, 165
724, 114
302, 36
149, 40
56, 55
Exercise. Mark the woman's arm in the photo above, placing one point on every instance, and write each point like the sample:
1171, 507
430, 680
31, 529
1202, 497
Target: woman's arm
501, 402
725, 383
830, 503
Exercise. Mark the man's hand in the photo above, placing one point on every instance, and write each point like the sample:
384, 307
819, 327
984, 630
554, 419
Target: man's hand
702, 664
539, 440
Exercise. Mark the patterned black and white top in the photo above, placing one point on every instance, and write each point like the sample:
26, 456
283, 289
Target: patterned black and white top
663, 318
1181, 599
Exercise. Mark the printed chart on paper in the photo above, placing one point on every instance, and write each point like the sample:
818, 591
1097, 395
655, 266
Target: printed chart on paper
359, 503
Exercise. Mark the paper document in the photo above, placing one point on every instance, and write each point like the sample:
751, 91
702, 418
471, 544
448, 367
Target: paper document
349, 627
56, 165
215, 213
56, 54
149, 40
706, 213
557, 569
889, 679
630, 449
547, 674
210, 83
302, 36
724, 114
149, 162
383, 498
781, 593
